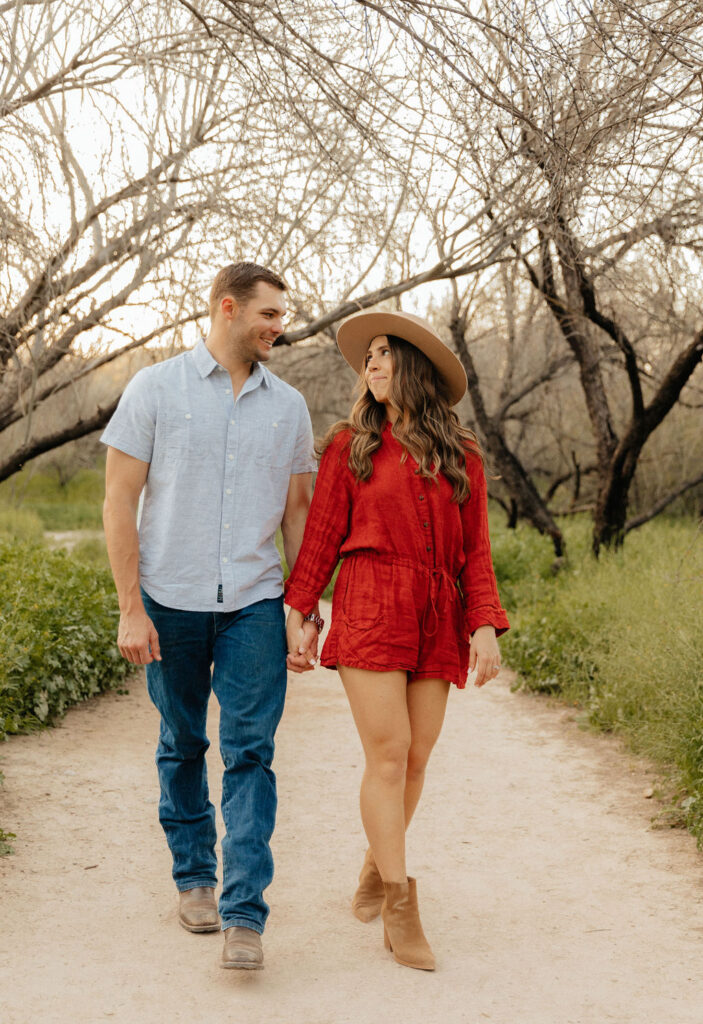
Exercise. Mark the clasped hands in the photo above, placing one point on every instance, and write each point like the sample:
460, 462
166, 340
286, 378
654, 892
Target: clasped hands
302, 642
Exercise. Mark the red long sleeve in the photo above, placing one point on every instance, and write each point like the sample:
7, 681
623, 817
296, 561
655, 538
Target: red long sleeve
478, 583
326, 527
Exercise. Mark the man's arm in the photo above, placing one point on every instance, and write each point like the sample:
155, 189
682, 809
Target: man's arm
304, 634
294, 515
125, 477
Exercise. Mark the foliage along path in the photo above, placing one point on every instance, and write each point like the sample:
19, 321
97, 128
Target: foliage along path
546, 894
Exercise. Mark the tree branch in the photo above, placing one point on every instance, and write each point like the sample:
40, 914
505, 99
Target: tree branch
659, 506
79, 428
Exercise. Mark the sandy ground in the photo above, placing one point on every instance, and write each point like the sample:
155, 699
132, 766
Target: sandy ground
546, 894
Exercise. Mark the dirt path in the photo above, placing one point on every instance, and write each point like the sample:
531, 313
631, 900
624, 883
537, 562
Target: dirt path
546, 895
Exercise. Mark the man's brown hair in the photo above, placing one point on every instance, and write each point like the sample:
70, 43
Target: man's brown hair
239, 280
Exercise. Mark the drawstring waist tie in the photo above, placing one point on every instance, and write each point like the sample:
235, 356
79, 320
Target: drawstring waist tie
436, 575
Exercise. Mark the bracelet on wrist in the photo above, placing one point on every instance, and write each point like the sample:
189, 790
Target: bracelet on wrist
318, 620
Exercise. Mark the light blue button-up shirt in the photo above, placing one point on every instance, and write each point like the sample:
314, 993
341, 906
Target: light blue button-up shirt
218, 478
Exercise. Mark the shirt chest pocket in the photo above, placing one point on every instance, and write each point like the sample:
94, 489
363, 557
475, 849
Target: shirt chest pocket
272, 443
190, 437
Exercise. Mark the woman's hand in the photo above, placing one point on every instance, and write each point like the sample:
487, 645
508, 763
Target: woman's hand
484, 655
302, 642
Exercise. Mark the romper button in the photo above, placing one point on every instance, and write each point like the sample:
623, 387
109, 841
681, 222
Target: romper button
422, 497
429, 547
425, 524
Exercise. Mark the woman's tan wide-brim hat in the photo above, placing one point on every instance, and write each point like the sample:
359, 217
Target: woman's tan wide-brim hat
357, 332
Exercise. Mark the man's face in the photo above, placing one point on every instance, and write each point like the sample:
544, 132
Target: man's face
257, 322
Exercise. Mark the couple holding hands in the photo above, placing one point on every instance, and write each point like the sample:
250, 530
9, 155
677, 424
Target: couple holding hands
223, 451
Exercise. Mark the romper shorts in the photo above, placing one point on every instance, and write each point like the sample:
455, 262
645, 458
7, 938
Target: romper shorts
393, 613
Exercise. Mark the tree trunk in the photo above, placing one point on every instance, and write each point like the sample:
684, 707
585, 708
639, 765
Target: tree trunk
523, 493
617, 457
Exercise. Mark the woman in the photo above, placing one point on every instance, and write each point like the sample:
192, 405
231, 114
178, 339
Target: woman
401, 498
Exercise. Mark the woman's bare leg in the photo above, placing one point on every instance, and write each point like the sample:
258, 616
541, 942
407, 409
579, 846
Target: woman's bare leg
378, 702
426, 702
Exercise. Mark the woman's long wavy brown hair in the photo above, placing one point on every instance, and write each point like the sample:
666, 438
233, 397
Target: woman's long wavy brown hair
426, 425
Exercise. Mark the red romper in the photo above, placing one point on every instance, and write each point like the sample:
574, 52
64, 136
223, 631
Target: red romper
416, 577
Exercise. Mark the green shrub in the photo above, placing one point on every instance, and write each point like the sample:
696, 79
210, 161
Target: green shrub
522, 560
623, 638
91, 551
58, 623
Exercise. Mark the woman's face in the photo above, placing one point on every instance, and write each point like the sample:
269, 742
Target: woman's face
379, 368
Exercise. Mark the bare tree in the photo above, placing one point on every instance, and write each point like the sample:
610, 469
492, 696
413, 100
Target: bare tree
338, 141
137, 152
583, 122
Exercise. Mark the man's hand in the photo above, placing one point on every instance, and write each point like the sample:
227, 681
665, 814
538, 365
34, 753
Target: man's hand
137, 638
302, 642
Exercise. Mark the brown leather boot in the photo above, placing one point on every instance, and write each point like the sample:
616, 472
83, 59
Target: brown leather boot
402, 930
368, 898
243, 949
197, 910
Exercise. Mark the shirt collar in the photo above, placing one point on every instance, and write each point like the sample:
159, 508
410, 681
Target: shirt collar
204, 360
205, 363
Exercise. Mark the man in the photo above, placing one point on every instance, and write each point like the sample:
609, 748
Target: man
223, 451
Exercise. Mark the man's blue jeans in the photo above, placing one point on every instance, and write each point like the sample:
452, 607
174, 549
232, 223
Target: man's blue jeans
241, 656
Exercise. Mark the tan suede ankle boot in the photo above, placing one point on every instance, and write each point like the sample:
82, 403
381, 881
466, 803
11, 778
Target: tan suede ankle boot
402, 930
368, 898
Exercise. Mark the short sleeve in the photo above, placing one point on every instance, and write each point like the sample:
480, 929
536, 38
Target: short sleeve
304, 454
133, 424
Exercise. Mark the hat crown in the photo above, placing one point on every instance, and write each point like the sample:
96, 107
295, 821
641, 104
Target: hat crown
356, 333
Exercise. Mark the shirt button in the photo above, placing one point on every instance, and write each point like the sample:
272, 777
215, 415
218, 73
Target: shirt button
225, 559
228, 490
231, 422
228, 391
231, 458
188, 416
226, 526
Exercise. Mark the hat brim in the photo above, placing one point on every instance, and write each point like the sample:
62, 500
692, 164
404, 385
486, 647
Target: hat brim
357, 332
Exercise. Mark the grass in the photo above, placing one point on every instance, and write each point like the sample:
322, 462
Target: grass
20, 524
621, 637
76, 505
5, 837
